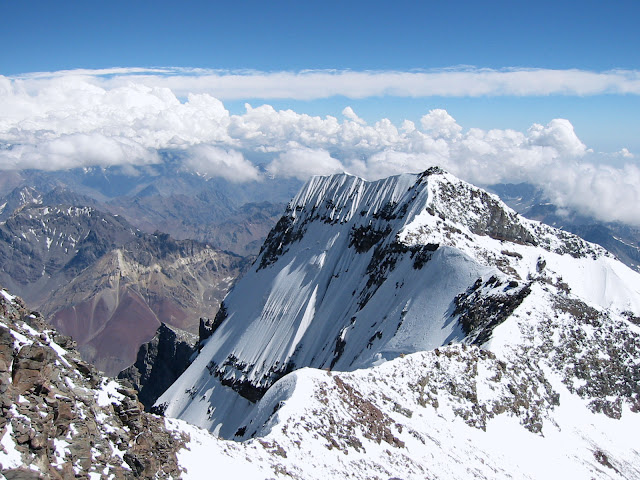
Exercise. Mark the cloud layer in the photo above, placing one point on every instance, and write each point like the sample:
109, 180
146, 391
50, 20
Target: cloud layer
125, 116
314, 84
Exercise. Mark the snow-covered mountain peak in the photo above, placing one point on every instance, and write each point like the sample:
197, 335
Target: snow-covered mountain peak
357, 273
433, 207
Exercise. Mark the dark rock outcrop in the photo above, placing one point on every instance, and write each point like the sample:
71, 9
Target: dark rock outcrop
160, 362
205, 330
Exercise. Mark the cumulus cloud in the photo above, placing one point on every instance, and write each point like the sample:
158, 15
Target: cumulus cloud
440, 124
303, 163
608, 193
351, 115
218, 162
126, 116
558, 134
625, 153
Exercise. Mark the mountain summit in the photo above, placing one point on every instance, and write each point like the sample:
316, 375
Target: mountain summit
448, 338
358, 273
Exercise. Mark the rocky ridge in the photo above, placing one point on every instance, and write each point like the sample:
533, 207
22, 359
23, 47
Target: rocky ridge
620, 239
61, 419
160, 362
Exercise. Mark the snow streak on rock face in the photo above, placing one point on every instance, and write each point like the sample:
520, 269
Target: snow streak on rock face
357, 273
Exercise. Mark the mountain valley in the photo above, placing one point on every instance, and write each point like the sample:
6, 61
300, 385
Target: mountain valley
107, 284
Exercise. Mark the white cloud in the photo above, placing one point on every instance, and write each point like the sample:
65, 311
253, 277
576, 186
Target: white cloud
351, 115
303, 163
124, 116
558, 134
606, 192
73, 150
440, 124
625, 153
218, 162
313, 84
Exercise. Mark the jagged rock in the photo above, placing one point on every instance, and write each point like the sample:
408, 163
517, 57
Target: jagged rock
160, 361
623, 240
64, 419
205, 329
32, 368
22, 474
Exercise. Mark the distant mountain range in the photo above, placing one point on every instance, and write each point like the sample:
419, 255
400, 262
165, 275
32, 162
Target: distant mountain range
86, 247
107, 284
233, 217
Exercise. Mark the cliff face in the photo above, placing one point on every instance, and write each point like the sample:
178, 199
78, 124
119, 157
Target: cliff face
160, 362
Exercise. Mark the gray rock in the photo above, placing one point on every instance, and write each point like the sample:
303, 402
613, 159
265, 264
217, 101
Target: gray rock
160, 362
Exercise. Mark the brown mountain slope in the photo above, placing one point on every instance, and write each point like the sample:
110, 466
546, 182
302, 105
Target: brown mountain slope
106, 283
117, 304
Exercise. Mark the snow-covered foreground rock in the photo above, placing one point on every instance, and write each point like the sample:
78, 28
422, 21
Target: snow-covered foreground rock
459, 412
454, 412
560, 401
61, 418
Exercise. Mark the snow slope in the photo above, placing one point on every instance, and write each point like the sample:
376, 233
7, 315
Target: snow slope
359, 273
454, 412
412, 418
560, 400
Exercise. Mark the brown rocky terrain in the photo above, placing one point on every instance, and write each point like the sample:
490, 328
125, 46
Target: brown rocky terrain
107, 284
140, 285
61, 419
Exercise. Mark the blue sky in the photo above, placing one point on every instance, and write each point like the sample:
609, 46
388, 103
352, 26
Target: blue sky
284, 35
494, 91
355, 35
